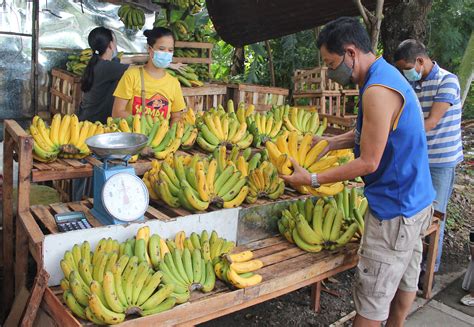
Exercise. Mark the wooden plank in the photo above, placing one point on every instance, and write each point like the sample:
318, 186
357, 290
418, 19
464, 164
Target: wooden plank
8, 222
53, 175
156, 214
74, 163
40, 166
61, 315
260, 244
78, 206
14, 130
431, 261
59, 208
207, 89
39, 286
34, 233
193, 45
25, 163
186, 60
21, 257
316, 297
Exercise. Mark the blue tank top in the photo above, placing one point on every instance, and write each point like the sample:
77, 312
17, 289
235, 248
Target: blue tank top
401, 185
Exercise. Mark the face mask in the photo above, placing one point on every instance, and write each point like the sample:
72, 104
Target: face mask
412, 75
114, 53
162, 59
342, 74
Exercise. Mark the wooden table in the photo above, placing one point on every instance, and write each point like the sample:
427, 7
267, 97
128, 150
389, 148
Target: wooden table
286, 269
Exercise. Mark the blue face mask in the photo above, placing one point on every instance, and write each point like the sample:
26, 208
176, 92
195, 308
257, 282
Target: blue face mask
162, 59
412, 75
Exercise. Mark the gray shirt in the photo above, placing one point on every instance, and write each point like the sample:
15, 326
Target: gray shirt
97, 104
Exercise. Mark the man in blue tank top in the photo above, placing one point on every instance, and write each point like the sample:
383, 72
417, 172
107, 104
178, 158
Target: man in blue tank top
391, 155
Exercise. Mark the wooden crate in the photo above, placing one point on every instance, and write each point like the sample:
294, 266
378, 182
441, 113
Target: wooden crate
314, 80
205, 97
263, 97
65, 92
205, 52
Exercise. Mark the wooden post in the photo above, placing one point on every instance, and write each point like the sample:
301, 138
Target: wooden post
431, 260
316, 297
8, 224
25, 165
37, 292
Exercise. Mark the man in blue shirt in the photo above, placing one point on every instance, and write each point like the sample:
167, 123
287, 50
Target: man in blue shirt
391, 155
439, 94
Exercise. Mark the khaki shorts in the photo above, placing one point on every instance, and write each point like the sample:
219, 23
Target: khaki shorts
389, 259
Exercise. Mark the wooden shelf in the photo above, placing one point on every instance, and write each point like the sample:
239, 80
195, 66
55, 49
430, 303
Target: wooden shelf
286, 268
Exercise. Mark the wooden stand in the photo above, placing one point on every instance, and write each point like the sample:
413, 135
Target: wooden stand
286, 269
263, 97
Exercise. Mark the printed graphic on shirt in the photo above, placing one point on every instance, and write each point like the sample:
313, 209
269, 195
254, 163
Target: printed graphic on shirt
154, 105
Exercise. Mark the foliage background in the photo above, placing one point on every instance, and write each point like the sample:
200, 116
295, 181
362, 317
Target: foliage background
451, 23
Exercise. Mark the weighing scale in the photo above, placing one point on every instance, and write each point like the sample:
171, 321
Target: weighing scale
120, 196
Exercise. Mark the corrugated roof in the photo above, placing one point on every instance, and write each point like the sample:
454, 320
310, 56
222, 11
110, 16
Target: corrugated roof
249, 21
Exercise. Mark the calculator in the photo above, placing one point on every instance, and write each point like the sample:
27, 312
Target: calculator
73, 220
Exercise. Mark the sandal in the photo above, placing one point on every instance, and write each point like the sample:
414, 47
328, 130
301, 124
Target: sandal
468, 300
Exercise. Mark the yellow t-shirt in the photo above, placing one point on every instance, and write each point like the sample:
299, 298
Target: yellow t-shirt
162, 94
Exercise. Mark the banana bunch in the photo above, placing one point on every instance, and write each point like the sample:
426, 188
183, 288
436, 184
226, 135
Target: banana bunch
105, 286
329, 223
243, 160
64, 138
301, 121
242, 112
220, 128
287, 146
264, 182
189, 53
191, 5
264, 127
238, 269
186, 76
196, 183
78, 62
132, 17
163, 140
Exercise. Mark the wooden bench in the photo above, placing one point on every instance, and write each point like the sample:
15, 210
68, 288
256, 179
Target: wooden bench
286, 269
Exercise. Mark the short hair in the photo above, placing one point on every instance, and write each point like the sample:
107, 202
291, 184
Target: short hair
341, 32
409, 50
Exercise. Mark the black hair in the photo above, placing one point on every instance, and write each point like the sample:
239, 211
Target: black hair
99, 39
409, 50
155, 34
341, 32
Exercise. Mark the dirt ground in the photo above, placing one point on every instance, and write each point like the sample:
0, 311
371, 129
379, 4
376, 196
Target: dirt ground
294, 309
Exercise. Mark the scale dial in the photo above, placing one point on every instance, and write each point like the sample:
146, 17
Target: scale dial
125, 197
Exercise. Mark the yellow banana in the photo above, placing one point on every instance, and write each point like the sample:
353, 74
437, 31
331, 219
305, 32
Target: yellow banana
108, 316
314, 153
240, 257
64, 129
248, 266
305, 146
241, 282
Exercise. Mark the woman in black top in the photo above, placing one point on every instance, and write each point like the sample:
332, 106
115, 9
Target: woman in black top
101, 75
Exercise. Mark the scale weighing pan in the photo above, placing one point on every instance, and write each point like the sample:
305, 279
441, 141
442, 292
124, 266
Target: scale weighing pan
111, 146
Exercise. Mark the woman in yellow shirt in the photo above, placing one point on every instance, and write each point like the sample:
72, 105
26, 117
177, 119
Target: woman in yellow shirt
150, 88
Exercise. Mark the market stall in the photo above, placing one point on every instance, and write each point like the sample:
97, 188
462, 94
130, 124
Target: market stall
187, 221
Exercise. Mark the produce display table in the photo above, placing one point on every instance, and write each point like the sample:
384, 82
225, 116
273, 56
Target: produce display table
286, 268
